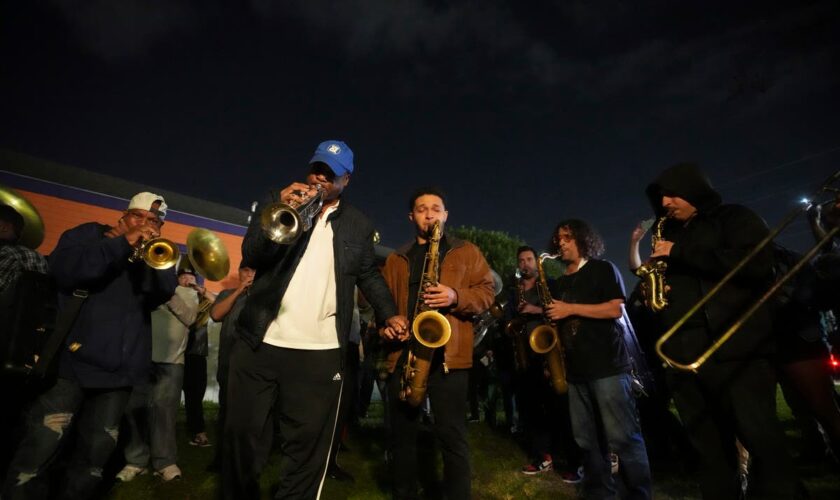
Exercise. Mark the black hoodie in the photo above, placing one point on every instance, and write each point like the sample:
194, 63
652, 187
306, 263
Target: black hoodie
706, 247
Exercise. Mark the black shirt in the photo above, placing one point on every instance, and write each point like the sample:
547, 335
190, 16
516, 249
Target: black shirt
594, 347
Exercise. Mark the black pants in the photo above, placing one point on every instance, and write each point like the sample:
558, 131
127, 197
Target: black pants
307, 386
195, 385
729, 400
346, 414
448, 395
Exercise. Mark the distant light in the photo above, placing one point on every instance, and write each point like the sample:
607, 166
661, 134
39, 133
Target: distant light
805, 201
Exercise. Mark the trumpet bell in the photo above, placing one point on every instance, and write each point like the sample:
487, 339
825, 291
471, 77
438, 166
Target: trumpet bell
207, 254
160, 253
281, 223
543, 339
431, 329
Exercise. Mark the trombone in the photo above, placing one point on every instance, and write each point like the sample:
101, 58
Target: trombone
792, 215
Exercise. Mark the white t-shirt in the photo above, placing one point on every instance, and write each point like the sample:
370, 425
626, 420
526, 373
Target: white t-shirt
306, 319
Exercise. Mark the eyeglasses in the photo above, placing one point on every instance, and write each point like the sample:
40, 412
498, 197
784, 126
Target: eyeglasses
146, 218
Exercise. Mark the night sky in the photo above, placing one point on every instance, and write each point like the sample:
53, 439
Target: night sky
524, 112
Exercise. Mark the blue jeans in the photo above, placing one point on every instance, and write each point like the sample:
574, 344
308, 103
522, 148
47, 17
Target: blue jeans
96, 414
604, 420
151, 414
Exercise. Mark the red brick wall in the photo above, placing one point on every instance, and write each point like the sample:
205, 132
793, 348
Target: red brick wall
60, 215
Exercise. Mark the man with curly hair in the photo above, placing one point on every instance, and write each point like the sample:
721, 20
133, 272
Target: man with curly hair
587, 304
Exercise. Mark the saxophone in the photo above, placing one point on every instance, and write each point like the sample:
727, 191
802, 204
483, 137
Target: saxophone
430, 330
544, 338
515, 328
652, 274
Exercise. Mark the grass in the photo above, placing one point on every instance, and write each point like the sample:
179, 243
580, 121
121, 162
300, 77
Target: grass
496, 463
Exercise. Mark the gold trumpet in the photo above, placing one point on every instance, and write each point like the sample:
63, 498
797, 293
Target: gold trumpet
792, 215
157, 253
544, 338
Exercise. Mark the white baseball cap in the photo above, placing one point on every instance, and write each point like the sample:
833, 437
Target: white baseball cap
145, 200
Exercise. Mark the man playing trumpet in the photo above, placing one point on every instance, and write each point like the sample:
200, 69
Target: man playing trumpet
294, 328
106, 352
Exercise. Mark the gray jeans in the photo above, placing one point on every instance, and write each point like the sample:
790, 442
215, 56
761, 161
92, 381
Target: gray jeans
151, 413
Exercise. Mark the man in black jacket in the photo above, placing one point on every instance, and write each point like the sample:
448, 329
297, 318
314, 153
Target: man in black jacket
293, 332
733, 394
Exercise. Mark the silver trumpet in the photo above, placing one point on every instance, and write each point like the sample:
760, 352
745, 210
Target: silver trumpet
283, 223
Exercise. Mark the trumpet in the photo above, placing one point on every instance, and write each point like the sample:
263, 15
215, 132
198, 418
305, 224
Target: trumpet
792, 215
283, 223
157, 253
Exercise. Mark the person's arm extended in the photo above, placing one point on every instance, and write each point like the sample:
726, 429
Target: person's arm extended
610, 309
222, 306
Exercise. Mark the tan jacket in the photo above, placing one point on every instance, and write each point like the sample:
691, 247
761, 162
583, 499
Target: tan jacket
464, 269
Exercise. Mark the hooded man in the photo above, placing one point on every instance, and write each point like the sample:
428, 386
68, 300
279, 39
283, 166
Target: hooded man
733, 394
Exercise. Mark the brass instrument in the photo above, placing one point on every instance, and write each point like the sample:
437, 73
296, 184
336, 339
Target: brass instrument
157, 253
207, 254
32, 234
430, 329
652, 273
283, 223
544, 339
515, 328
792, 215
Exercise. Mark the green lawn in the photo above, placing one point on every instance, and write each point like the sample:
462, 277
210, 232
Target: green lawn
496, 463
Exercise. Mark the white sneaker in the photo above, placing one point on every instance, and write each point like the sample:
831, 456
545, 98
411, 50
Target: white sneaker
129, 472
169, 473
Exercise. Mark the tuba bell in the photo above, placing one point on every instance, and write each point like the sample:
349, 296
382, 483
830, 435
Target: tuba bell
32, 234
283, 223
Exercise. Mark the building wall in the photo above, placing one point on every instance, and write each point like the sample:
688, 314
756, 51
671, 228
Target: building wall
60, 214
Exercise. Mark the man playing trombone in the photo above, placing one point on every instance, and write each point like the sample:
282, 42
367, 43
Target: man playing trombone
309, 252
107, 350
733, 394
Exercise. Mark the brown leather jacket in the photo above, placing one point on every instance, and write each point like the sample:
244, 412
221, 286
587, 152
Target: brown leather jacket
464, 269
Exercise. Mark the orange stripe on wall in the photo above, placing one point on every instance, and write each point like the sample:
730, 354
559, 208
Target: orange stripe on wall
60, 215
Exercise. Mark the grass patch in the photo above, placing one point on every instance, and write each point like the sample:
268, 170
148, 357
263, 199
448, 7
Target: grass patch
496, 460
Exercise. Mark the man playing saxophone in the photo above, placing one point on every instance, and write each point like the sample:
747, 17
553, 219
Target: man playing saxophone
464, 288
587, 304
733, 394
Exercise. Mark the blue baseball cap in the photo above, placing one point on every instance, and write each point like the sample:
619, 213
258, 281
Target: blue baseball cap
336, 154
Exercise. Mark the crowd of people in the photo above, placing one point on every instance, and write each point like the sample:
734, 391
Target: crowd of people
315, 322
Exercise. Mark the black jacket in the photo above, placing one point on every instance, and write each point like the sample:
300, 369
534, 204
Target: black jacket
705, 248
355, 264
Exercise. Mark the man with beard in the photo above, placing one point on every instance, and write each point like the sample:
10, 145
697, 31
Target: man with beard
733, 394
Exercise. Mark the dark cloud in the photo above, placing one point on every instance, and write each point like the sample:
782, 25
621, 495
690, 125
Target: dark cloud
117, 30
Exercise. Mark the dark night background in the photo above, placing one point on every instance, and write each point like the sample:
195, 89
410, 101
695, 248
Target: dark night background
525, 112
